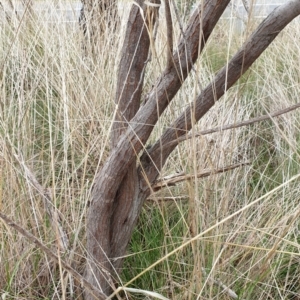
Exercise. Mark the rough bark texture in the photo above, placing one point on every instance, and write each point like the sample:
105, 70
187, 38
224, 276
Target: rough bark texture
122, 185
224, 79
121, 208
128, 97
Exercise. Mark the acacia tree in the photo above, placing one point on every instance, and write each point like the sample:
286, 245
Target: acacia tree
125, 180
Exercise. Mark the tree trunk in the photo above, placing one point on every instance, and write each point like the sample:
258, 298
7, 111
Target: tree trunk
123, 183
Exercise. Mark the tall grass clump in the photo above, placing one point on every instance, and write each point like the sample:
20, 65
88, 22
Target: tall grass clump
56, 108
232, 234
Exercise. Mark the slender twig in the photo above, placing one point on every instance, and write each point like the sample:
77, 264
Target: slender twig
94, 291
168, 199
173, 179
236, 125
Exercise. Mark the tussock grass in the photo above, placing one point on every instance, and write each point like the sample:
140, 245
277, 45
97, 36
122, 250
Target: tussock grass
56, 112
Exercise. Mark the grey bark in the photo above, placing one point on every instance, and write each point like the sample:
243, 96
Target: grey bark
122, 185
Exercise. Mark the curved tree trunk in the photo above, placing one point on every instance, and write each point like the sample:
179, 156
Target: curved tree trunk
124, 182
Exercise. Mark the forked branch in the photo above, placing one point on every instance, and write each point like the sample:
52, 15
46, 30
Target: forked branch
113, 212
224, 79
106, 230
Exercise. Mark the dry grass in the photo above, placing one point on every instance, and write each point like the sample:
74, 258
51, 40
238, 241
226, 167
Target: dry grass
56, 112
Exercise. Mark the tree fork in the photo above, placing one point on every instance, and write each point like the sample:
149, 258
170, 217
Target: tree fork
106, 238
263, 36
100, 228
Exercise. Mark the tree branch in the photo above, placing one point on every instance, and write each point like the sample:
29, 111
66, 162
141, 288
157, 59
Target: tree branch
140, 128
237, 125
174, 179
225, 78
133, 74
107, 221
132, 68
103, 211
